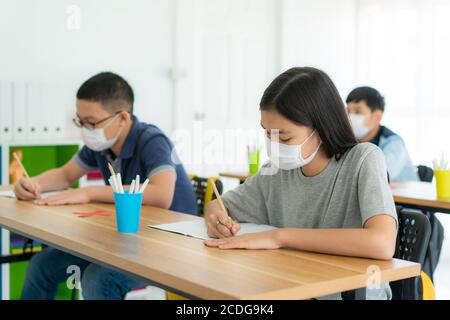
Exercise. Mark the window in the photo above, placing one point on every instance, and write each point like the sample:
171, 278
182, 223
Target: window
403, 50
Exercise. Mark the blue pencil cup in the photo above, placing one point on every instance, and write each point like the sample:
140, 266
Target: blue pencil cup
128, 211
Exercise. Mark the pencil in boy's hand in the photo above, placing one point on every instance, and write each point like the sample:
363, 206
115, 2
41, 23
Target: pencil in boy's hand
19, 162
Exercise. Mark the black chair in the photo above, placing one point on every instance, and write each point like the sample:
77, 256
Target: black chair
425, 173
437, 229
413, 236
203, 191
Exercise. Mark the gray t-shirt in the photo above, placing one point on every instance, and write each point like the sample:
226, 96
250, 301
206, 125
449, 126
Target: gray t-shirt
344, 195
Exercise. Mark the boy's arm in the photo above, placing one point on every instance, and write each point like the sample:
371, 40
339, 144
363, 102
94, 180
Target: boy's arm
159, 193
60, 178
51, 180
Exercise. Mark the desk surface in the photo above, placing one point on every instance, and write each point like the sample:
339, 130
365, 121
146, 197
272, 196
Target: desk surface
240, 175
185, 264
421, 194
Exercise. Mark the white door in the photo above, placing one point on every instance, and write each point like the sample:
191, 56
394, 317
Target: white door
226, 53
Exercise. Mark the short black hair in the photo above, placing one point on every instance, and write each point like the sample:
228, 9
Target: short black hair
308, 97
110, 89
371, 96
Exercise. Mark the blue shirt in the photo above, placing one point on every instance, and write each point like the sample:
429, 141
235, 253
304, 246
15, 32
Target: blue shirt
146, 151
398, 162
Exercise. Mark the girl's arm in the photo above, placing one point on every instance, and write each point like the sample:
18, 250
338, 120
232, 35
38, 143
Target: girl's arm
375, 240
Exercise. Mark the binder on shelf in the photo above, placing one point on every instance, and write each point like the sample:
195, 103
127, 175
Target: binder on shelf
6, 111
35, 114
56, 101
20, 109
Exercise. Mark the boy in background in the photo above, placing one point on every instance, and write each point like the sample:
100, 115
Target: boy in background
366, 109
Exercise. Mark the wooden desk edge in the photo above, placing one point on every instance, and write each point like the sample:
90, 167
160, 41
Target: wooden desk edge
340, 285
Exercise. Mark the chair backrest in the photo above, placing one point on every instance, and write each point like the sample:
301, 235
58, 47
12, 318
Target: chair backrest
414, 231
425, 173
203, 189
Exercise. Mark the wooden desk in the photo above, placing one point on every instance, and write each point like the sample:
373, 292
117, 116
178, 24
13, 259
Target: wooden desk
184, 265
241, 176
421, 195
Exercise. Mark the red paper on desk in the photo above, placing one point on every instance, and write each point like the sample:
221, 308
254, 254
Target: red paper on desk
101, 213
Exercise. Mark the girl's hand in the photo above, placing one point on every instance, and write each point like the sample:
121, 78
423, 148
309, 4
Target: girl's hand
75, 196
258, 240
27, 189
219, 224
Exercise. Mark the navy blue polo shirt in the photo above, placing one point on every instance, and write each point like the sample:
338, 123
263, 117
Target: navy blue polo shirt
146, 151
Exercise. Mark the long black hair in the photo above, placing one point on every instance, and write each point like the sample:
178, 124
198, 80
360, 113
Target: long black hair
308, 97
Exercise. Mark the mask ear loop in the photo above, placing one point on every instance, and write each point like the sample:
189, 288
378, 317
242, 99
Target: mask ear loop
315, 151
306, 140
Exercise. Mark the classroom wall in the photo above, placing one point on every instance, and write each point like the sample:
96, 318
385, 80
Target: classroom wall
42, 41
321, 33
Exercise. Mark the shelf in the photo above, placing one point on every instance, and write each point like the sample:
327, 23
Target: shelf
38, 156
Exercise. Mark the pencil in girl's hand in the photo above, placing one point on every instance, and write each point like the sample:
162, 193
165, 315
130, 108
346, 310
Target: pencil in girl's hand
219, 198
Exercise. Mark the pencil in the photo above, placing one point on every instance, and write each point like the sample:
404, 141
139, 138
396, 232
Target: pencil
21, 165
144, 185
111, 169
137, 184
119, 183
219, 198
132, 186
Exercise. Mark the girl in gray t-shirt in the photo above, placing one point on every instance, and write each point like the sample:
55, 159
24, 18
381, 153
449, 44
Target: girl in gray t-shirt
323, 191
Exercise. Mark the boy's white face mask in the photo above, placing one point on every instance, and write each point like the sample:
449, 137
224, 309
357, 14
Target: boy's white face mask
288, 157
95, 139
358, 126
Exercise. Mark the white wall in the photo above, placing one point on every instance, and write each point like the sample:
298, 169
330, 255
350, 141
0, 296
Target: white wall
132, 38
322, 34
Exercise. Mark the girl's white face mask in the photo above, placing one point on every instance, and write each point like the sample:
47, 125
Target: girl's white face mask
288, 157
95, 139
357, 123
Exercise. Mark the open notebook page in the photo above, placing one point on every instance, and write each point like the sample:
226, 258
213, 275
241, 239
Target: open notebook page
10, 194
197, 228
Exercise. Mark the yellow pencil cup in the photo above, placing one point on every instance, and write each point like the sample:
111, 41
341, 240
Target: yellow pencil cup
442, 183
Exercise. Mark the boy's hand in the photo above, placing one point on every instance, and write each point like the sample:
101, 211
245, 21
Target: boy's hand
27, 189
219, 224
75, 196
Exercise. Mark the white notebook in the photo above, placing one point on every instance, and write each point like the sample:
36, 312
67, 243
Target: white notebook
197, 228
10, 194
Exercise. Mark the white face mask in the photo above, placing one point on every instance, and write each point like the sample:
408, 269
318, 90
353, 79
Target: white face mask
288, 157
357, 122
95, 139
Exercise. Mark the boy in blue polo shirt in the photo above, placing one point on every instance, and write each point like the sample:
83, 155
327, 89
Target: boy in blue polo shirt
111, 134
